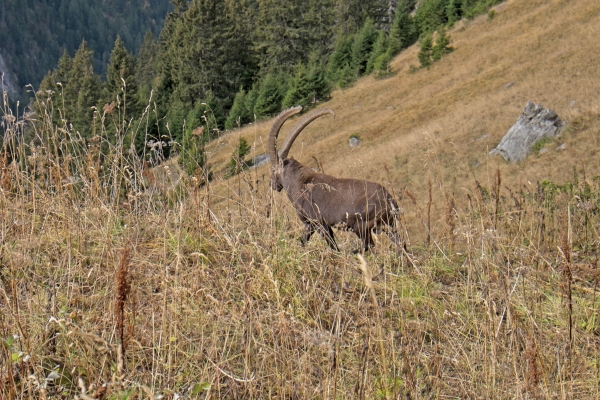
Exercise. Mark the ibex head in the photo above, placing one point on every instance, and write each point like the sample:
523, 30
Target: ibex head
279, 160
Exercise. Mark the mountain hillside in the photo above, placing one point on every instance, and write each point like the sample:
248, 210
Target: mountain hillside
34, 34
440, 123
123, 279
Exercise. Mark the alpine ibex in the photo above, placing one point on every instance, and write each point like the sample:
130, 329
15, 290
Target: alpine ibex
323, 201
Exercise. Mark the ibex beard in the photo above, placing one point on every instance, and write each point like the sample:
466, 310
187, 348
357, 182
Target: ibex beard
324, 202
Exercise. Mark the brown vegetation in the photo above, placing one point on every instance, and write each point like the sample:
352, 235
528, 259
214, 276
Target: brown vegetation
214, 297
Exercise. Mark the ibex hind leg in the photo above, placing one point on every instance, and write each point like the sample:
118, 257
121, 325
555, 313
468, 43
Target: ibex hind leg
367, 239
309, 229
327, 234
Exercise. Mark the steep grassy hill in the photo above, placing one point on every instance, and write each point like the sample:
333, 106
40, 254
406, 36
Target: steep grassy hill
440, 123
119, 281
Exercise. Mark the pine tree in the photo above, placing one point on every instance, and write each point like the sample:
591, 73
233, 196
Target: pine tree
339, 69
120, 79
307, 86
146, 67
362, 47
377, 57
82, 90
239, 114
403, 32
430, 15
425, 51
280, 36
270, 94
442, 45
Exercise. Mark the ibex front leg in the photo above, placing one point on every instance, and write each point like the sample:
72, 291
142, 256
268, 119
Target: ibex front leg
326, 233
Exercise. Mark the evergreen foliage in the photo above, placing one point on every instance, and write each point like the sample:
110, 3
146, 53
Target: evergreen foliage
146, 71
340, 70
270, 95
237, 163
380, 55
442, 45
200, 127
431, 14
193, 76
279, 35
403, 32
120, 79
307, 86
426, 50
34, 33
240, 113
363, 46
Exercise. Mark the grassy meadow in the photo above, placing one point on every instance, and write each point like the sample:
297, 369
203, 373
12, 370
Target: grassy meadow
119, 281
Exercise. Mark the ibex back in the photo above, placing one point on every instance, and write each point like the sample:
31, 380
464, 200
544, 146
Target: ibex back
324, 202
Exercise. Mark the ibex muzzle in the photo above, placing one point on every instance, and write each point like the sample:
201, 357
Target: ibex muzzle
324, 202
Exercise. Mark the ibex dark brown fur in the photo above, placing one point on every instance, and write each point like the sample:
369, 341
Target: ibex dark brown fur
324, 202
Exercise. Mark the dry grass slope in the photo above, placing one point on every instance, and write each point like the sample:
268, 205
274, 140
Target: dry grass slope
121, 282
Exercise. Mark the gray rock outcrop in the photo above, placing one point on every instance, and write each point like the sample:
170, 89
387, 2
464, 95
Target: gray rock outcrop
260, 160
534, 124
353, 142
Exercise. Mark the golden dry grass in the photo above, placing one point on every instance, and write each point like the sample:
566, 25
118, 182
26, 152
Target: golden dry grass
126, 283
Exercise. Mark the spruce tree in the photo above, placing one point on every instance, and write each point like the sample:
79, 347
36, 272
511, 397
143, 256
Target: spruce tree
205, 48
250, 101
120, 79
454, 11
318, 22
350, 15
403, 32
362, 47
339, 69
442, 45
430, 15
192, 145
237, 163
270, 94
378, 56
280, 35
425, 51
297, 84
83, 90
307, 86
146, 67
239, 114
63, 73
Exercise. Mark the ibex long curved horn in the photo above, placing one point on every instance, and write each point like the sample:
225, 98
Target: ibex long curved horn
287, 144
281, 118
